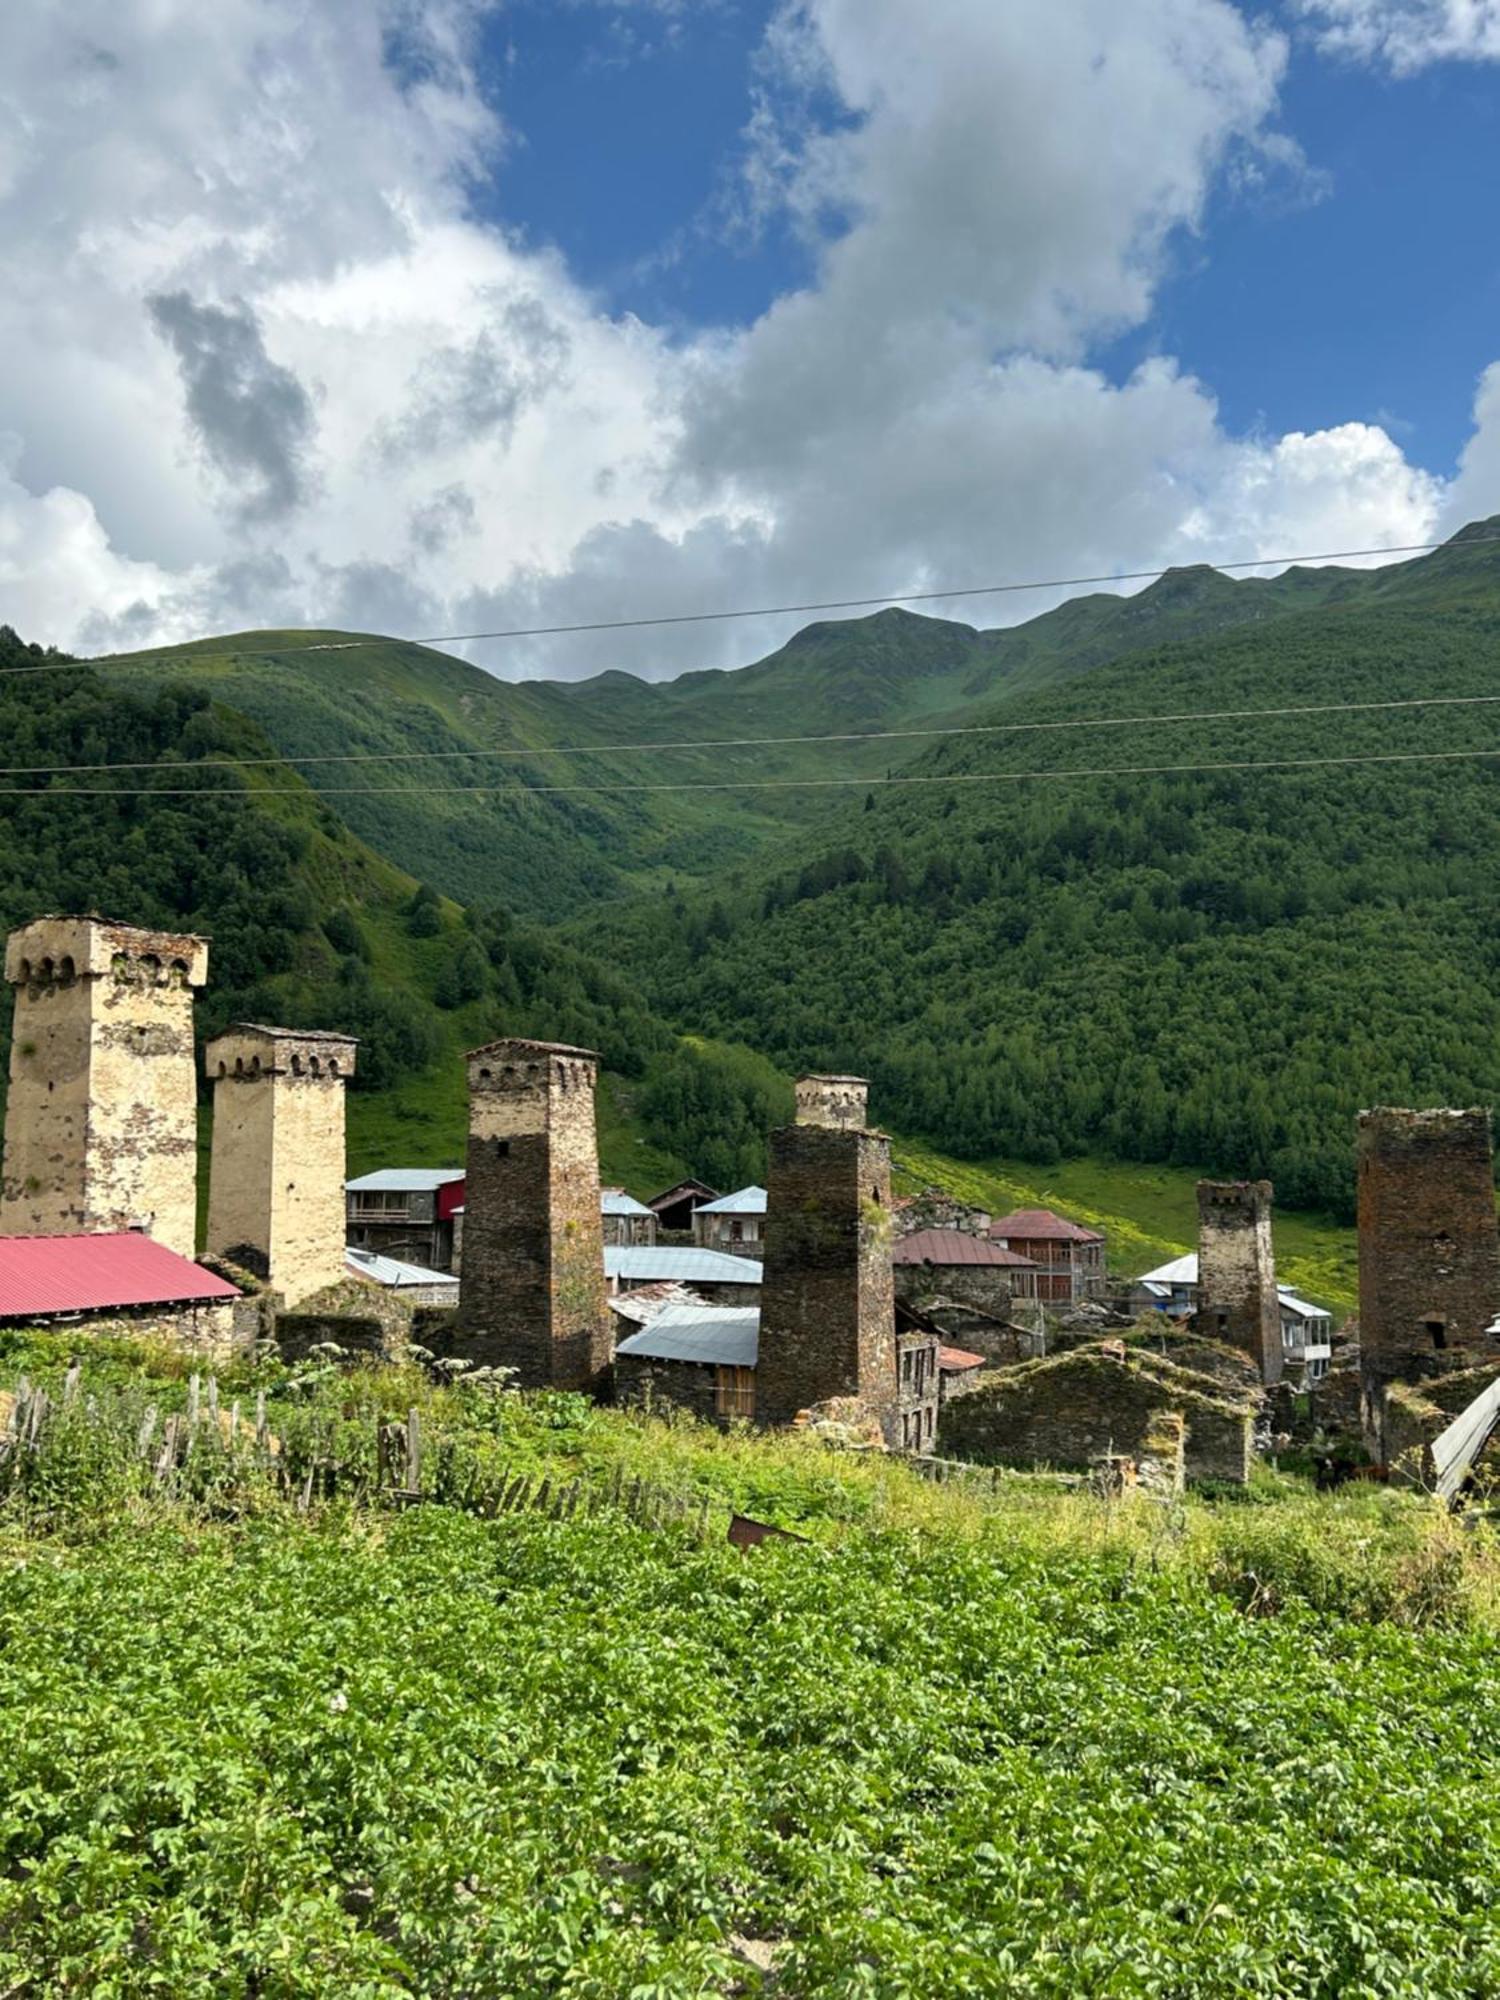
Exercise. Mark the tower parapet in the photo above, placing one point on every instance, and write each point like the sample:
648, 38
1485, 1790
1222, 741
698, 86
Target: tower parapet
101, 1116
276, 1186
838, 1102
533, 1295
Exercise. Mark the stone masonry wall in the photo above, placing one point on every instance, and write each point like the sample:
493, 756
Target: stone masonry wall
645, 1381
982, 1285
533, 1291
1070, 1410
1237, 1298
101, 1118
827, 1325
1429, 1250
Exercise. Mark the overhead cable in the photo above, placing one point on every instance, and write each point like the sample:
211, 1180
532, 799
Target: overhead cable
298, 758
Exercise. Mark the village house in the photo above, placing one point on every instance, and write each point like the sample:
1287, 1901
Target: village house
735, 1223
1306, 1330
627, 1222
1070, 1258
950, 1264
675, 1207
124, 1281
414, 1284
408, 1213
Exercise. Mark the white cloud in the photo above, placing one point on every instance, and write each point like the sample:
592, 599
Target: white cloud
264, 367
1408, 35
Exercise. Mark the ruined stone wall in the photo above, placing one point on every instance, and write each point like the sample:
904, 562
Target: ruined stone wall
1429, 1250
827, 1325
1237, 1298
359, 1335
932, 1209
1073, 1409
276, 1188
642, 1381
533, 1292
982, 1285
101, 1117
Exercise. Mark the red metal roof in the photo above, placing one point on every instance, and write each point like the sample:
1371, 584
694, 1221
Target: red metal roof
954, 1246
1035, 1225
40, 1275
958, 1357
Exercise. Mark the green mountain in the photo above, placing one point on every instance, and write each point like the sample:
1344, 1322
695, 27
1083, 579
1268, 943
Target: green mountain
1061, 944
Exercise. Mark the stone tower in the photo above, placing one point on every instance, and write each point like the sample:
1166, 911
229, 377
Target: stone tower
1429, 1249
532, 1294
827, 1317
276, 1184
1237, 1297
101, 1119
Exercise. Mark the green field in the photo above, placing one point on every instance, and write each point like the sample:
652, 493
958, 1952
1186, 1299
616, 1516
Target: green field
1021, 1741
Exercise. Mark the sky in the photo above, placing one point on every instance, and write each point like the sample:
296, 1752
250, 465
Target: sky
436, 316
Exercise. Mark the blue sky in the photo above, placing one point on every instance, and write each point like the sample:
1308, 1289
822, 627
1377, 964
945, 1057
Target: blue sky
1366, 287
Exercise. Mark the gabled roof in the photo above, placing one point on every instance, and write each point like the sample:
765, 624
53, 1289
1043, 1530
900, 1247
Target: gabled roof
648, 1262
1040, 1224
958, 1359
615, 1201
404, 1180
42, 1275
669, 1196
725, 1335
393, 1271
744, 1201
955, 1246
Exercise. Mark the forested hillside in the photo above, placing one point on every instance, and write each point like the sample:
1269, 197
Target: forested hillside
1207, 967
309, 928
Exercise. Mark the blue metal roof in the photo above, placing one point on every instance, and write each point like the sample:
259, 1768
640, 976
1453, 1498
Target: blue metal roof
648, 1262
744, 1201
727, 1336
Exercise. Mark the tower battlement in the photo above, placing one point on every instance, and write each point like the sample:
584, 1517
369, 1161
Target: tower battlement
838, 1102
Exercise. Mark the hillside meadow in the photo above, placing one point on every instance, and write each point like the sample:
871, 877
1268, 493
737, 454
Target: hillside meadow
1008, 1740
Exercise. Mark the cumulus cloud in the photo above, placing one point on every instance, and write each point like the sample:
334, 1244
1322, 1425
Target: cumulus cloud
241, 263
1408, 35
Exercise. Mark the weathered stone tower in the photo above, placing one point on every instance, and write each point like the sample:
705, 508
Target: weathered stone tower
101, 1120
1237, 1298
827, 1318
1429, 1249
276, 1184
532, 1294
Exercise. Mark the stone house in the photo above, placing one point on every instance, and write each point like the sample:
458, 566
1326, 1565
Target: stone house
627, 1222
735, 1223
124, 1281
409, 1213
700, 1358
1070, 1258
958, 1372
1104, 1399
949, 1264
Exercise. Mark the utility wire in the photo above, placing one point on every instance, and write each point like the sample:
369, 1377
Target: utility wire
748, 785
759, 611
294, 757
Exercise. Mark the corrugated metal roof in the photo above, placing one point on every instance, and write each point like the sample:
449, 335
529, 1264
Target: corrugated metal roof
393, 1271
1300, 1306
744, 1201
958, 1357
1184, 1271
955, 1246
41, 1275
404, 1180
1455, 1449
728, 1336
650, 1261
1040, 1224
615, 1201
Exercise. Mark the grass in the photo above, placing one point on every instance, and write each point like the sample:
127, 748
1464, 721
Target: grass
1026, 1743
1149, 1214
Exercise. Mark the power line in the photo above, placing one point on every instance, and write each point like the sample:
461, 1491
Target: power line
766, 742
746, 785
760, 611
